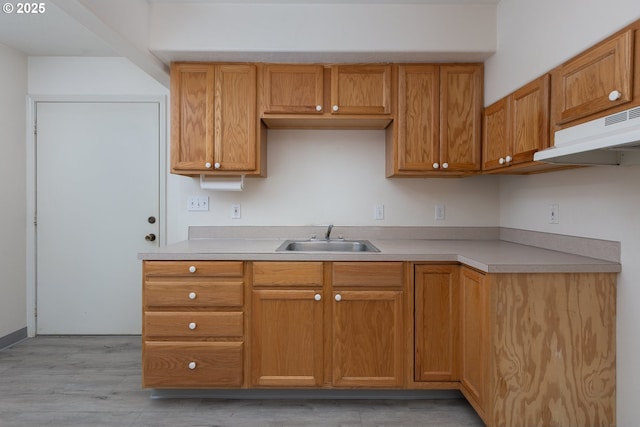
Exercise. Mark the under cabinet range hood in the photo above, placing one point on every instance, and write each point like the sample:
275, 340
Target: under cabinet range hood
610, 140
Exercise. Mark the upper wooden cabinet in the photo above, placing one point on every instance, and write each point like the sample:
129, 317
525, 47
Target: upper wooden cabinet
293, 89
515, 127
307, 96
598, 79
437, 130
214, 128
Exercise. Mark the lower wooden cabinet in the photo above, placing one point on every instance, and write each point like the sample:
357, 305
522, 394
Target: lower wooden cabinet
193, 324
355, 335
436, 323
524, 349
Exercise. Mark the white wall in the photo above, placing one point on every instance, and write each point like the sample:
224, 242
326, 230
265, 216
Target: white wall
13, 87
600, 202
332, 176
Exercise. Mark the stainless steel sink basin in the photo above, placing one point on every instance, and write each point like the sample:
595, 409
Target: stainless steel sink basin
327, 246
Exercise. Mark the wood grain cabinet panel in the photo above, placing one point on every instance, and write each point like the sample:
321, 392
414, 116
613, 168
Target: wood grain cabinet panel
437, 131
214, 119
437, 322
293, 89
361, 89
582, 86
515, 128
192, 365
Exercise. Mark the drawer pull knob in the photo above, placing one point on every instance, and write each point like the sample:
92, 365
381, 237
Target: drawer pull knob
192, 269
338, 297
207, 165
335, 108
436, 165
318, 107
192, 365
317, 297
192, 295
502, 160
445, 165
192, 325
508, 159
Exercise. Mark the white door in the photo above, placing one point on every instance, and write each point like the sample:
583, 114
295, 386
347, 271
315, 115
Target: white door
97, 185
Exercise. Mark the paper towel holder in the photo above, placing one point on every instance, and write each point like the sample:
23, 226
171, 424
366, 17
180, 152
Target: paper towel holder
222, 183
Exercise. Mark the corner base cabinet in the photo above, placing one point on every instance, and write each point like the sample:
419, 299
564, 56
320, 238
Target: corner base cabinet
525, 349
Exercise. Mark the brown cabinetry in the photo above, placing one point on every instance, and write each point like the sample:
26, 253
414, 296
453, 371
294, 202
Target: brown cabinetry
436, 322
287, 327
515, 127
438, 121
312, 96
525, 345
355, 334
596, 80
215, 128
193, 324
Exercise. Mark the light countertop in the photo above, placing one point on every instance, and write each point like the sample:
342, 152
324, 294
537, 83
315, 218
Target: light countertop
488, 255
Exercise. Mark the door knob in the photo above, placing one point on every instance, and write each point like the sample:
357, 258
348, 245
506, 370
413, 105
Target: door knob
150, 237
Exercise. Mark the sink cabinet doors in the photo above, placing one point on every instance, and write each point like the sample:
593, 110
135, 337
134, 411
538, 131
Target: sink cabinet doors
300, 338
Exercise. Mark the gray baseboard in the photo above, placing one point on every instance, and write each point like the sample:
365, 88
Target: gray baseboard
340, 394
12, 338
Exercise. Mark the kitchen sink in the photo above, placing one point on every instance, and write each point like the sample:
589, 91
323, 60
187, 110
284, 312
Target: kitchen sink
338, 245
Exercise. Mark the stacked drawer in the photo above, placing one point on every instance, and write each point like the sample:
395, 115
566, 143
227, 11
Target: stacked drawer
193, 324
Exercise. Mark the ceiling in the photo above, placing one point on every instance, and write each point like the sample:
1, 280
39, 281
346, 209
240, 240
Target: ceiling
54, 33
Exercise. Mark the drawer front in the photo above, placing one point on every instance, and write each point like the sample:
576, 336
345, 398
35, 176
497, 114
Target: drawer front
287, 274
192, 365
172, 294
194, 268
367, 274
193, 324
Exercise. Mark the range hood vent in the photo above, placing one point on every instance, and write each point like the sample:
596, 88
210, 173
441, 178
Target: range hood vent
610, 140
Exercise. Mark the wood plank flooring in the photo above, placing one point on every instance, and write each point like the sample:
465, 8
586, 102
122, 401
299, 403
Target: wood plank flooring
95, 381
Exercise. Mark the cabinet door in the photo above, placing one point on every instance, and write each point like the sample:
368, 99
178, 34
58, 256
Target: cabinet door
287, 338
530, 120
367, 338
361, 89
417, 120
291, 89
474, 336
460, 117
495, 135
437, 323
192, 91
583, 85
235, 118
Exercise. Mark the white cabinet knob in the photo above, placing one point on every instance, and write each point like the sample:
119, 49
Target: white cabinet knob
338, 297
445, 165
614, 95
502, 160
335, 108
318, 107
317, 297
216, 165
192, 295
207, 165
192, 325
192, 365
508, 159
192, 269
436, 165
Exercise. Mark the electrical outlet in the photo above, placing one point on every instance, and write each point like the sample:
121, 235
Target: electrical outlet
198, 203
439, 213
554, 214
378, 212
235, 211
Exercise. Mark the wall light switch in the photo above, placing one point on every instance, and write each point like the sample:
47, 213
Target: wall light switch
554, 214
198, 203
378, 212
439, 213
236, 213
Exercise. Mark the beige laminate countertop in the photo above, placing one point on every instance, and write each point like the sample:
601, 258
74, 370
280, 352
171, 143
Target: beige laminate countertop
491, 256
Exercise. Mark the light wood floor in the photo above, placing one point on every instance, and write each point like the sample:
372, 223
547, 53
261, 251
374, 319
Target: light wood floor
95, 381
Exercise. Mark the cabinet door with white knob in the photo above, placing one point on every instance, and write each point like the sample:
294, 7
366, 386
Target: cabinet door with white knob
361, 89
594, 81
293, 89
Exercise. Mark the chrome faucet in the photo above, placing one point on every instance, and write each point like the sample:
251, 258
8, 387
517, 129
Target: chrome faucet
327, 235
